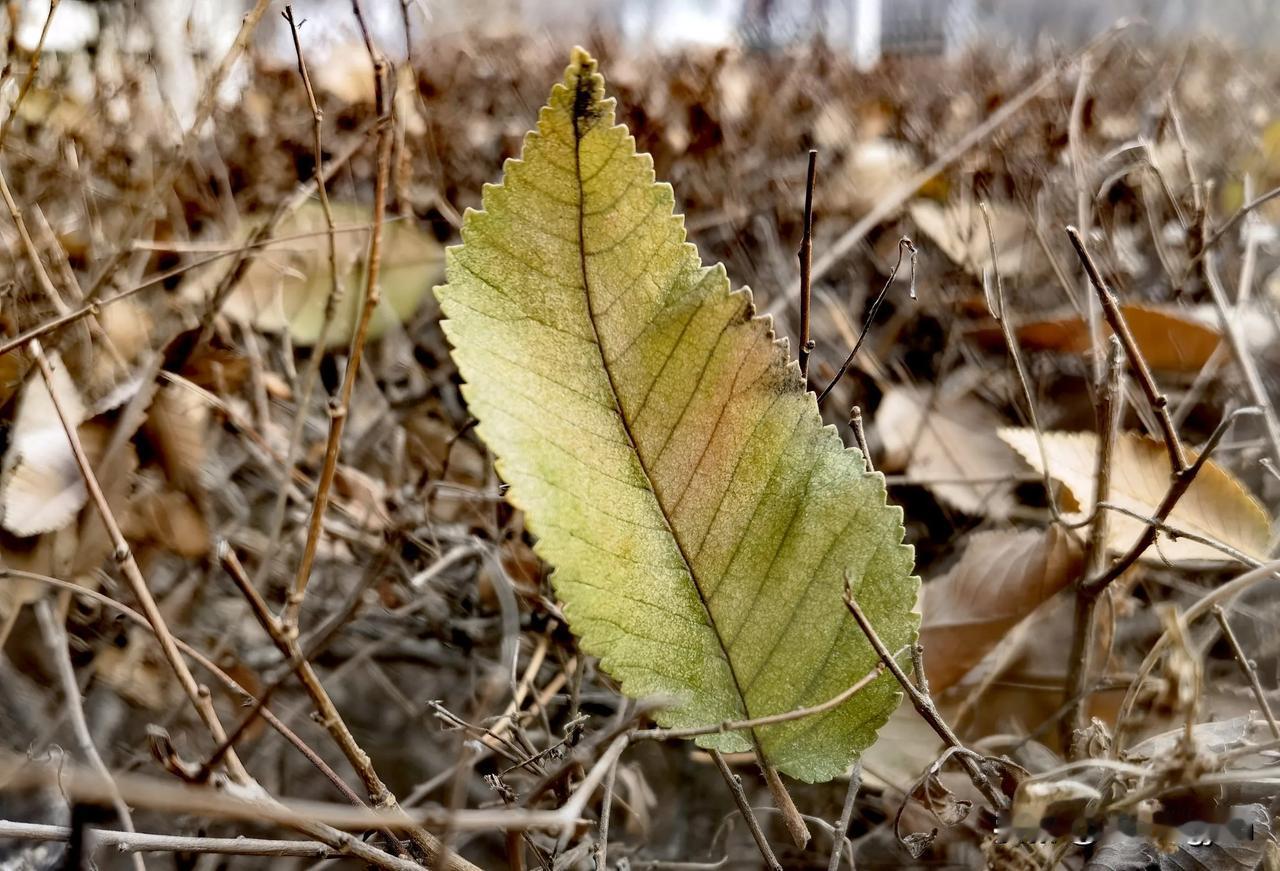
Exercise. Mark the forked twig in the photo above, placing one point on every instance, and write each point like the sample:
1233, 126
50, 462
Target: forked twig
904, 244
1158, 402
1110, 414
924, 704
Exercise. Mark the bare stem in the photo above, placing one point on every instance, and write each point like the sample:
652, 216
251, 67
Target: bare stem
806, 267
287, 643
771, 719
196, 693
1246, 665
744, 807
924, 705
372, 293
904, 245
1158, 402
55, 638
1110, 413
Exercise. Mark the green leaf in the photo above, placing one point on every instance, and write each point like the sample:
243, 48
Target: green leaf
699, 516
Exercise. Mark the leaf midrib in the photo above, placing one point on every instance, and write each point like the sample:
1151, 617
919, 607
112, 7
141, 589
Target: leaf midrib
583, 98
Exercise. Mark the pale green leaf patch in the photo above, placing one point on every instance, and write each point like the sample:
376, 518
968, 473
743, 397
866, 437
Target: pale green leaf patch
699, 517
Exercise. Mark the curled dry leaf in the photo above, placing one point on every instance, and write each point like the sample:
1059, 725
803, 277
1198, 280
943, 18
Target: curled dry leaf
287, 286
1216, 506
945, 445
959, 230
1169, 338
41, 489
1000, 579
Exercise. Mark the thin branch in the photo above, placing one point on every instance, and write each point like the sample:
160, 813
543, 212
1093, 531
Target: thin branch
924, 705
997, 310
841, 837
785, 805
744, 807
1158, 402
18, 773
372, 294
312, 374
772, 719
806, 267
1181, 484
145, 842
55, 638
1110, 414
904, 244
33, 65
287, 643
1247, 666
196, 693
860, 436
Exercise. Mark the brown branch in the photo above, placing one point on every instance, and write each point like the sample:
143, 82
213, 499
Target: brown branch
744, 807
196, 693
924, 705
1110, 414
1158, 402
904, 244
312, 374
287, 643
806, 267
1181, 483
772, 719
1247, 666
33, 65
860, 436
372, 293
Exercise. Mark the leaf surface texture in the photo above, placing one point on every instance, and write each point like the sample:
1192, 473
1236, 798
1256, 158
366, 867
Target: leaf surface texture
698, 515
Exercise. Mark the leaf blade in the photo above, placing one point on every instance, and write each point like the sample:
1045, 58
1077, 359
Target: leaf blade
677, 475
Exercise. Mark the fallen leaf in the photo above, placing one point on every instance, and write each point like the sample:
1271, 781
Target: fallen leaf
178, 423
701, 520
287, 286
1216, 506
959, 231
1000, 579
1169, 338
40, 488
946, 445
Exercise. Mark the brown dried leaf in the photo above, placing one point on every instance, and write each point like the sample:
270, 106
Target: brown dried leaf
1169, 339
1216, 506
287, 287
953, 442
959, 230
178, 423
1000, 579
